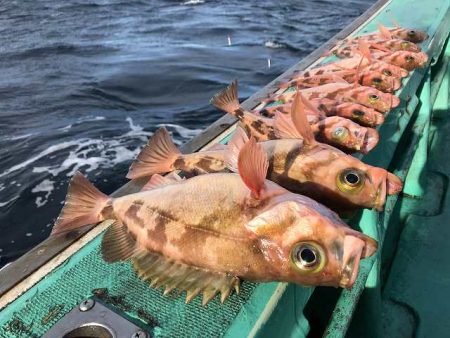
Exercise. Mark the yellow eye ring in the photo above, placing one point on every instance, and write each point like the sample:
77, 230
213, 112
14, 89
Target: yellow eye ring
373, 98
308, 257
409, 58
339, 133
405, 45
350, 180
411, 33
387, 72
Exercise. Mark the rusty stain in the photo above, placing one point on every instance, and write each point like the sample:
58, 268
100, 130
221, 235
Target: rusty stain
147, 318
52, 314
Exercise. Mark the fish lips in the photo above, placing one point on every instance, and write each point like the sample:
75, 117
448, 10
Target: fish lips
370, 140
389, 184
355, 247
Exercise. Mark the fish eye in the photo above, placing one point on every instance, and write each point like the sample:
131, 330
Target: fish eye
411, 33
358, 113
387, 72
376, 80
373, 98
308, 257
409, 58
405, 45
340, 133
350, 180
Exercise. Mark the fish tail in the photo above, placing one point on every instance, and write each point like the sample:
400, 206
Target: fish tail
158, 156
234, 148
227, 100
84, 205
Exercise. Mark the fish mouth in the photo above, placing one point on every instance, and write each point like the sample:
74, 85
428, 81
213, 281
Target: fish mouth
356, 246
370, 140
353, 248
380, 195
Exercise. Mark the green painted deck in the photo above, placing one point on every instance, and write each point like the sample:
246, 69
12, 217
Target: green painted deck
400, 292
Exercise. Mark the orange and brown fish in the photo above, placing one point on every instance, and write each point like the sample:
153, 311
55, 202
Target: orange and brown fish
336, 131
181, 236
407, 34
301, 165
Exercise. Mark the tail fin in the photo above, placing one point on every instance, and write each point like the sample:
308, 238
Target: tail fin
227, 100
234, 148
83, 206
158, 156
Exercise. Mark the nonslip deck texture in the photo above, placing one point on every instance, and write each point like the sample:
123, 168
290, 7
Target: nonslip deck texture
85, 274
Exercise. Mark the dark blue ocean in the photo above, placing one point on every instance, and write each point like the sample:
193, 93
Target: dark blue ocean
83, 84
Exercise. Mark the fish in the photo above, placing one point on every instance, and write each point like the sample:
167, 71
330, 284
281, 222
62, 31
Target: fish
297, 163
407, 34
350, 49
337, 131
367, 96
205, 234
376, 79
352, 64
360, 114
404, 59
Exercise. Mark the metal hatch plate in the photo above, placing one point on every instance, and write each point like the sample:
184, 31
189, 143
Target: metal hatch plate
93, 319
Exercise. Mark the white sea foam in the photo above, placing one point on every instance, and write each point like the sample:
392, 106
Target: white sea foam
46, 186
273, 44
82, 120
182, 131
18, 137
193, 2
91, 154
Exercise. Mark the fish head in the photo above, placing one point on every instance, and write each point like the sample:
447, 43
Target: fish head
343, 180
346, 134
408, 60
398, 44
412, 35
308, 244
373, 98
359, 113
388, 69
378, 80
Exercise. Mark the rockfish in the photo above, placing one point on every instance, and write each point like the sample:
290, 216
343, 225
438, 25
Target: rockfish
205, 234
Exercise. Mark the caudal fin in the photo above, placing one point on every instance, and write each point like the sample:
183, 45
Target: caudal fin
83, 206
227, 100
157, 157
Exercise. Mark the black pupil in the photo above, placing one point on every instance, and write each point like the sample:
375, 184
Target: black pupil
358, 113
352, 178
409, 58
308, 256
377, 80
387, 72
411, 33
373, 96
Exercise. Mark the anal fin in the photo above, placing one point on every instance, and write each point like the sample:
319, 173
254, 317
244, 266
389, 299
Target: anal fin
163, 272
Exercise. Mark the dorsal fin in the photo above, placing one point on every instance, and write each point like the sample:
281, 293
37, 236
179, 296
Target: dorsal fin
284, 127
161, 271
252, 167
159, 181
117, 243
385, 33
234, 147
300, 120
338, 79
364, 50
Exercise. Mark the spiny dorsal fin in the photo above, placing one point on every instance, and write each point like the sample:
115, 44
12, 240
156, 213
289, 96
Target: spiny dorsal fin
385, 33
117, 243
234, 147
284, 127
363, 48
160, 271
300, 120
252, 167
159, 181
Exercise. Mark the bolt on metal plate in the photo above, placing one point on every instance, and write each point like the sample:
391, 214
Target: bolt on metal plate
93, 319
